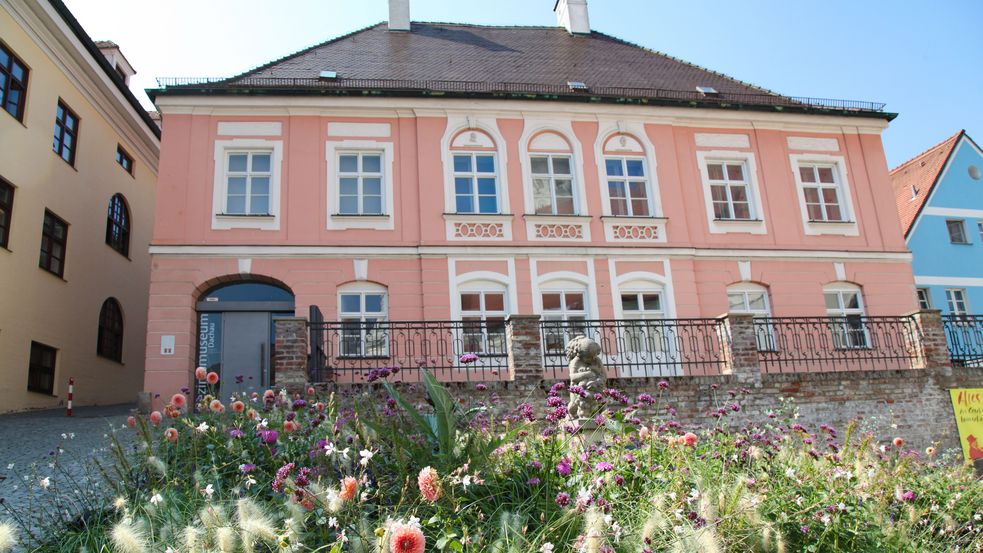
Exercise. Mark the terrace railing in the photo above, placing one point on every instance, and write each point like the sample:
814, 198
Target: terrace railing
964, 335
640, 348
822, 344
358, 350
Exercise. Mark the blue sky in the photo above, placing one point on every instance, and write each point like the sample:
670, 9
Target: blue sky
925, 60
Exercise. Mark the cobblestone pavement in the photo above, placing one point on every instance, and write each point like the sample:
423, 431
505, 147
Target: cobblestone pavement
30, 441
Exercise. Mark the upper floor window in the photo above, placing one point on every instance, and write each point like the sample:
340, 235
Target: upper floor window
729, 190
552, 183
823, 196
6, 210
924, 298
41, 369
360, 180
66, 133
110, 341
124, 159
956, 299
247, 177
118, 225
54, 239
845, 304
363, 312
475, 183
13, 83
957, 231
628, 189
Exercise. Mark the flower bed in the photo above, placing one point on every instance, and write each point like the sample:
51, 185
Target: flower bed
377, 473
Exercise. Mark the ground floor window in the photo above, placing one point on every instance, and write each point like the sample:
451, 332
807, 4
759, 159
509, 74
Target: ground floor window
41, 371
483, 322
644, 329
924, 298
566, 309
846, 310
363, 329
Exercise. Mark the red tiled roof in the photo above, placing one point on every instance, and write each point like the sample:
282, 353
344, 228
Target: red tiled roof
920, 172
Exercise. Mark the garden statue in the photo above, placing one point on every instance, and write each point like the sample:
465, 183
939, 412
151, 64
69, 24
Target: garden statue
587, 374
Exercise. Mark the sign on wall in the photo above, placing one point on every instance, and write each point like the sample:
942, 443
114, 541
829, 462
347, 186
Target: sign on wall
968, 406
209, 348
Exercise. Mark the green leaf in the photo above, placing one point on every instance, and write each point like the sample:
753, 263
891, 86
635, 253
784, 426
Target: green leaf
418, 419
445, 411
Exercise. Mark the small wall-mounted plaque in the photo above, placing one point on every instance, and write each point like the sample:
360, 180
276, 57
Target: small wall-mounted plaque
167, 345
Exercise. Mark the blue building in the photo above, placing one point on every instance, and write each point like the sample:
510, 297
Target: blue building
939, 195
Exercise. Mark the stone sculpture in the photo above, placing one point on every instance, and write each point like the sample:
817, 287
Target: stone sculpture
586, 374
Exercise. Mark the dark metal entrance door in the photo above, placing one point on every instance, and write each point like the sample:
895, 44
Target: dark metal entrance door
245, 353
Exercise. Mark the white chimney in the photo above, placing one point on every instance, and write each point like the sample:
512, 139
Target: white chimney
572, 15
399, 15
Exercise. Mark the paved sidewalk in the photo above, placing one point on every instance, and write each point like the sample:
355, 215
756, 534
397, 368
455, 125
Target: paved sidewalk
29, 443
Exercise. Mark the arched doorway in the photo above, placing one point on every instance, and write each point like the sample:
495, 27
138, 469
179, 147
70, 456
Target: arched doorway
236, 334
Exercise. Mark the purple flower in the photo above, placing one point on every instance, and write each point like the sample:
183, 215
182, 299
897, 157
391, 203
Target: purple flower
804, 529
481, 387
563, 499
533, 481
564, 467
646, 399
536, 465
235, 433
269, 436
604, 466
663, 385
735, 407
554, 401
299, 404
908, 496
246, 468
468, 358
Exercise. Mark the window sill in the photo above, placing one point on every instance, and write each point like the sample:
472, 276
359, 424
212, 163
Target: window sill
69, 163
961, 243
477, 215
60, 277
250, 216
121, 254
832, 222
739, 221
43, 393
547, 216
360, 217
747, 226
111, 360
633, 218
842, 228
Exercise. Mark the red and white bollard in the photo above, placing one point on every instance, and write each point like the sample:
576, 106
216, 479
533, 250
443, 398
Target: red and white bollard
71, 388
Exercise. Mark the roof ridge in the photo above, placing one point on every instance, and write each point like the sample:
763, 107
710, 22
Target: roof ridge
459, 24
303, 51
927, 151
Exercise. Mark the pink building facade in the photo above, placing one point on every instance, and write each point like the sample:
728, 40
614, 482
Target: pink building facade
444, 208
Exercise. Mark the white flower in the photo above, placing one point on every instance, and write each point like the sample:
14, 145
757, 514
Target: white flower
45, 482
333, 522
546, 548
10, 466
841, 506
250, 481
329, 448
203, 427
366, 456
790, 473
466, 481
344, 452
209, 490
156, 499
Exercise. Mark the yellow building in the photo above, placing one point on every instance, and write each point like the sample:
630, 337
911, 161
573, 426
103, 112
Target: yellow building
78, 171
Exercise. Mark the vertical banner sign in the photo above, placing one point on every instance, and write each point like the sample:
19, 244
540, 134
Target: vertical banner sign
968, 406
209, 348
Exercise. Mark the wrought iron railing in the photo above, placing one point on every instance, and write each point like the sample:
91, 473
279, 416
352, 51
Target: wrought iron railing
814, 344
640, 348
964, 334
478, 87
361, 351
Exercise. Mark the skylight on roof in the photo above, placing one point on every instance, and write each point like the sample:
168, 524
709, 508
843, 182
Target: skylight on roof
577, 85
328, 75
707, 90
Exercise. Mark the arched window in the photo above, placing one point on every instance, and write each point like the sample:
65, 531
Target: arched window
752, 299
845, 307
476, 168
565, 307
110, 344
484, 305
551, 164
118, 225
363, 309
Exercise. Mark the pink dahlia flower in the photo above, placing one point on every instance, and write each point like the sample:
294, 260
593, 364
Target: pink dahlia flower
429, 482
179, 401
407, 539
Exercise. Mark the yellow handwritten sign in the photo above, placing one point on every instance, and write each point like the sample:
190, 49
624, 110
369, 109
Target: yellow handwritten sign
968, 406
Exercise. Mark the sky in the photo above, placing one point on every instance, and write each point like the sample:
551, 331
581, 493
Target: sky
923, 59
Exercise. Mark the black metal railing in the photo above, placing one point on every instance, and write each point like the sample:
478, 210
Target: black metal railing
964, 335
814, 344
481, 87
360, 351
640, 348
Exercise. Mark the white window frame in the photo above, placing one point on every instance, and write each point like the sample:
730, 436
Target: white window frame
249, 175
924, 297
953, 303
336, 220
553, 177
848, 226
360, 175
382, 317
482, 315
728, 185
765, 338
640, 338
563, 314
645, 178
979, 229
224, 221
846, 336
473, 176
755, 225
962, 230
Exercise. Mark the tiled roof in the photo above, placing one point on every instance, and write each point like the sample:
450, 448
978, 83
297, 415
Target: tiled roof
920, 172
475, 60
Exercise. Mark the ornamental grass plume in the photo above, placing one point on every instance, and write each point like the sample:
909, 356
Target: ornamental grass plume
429, 484
225, 539
8, 537
255, 525
191, 536
595, 529
127, 538
405, 538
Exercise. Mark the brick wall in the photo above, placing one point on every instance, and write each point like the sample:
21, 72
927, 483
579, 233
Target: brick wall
290, 361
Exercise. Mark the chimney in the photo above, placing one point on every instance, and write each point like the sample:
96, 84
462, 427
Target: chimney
572, 15
399, 15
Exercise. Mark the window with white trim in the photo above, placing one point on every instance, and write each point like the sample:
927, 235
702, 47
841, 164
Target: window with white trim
823, 193
568, 306
956, 300
248, 178
552, 183
643, 334
748, 299
924, 298
363, 315
957, 231
475, 183
979, 229
483, 316
845, 308
628, 188
360, 183
730, 190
